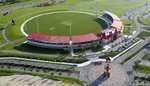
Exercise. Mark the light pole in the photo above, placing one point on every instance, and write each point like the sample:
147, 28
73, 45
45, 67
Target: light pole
70, 37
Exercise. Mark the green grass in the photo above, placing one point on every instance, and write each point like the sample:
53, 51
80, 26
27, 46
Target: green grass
59, 24
34, 49
117, 7
40, 57
13, 32
1, 37
142, 68
111, 54
146, 57
6, 73
144, 21
1, 26
144, 34
128, 27
18, 4
73, 2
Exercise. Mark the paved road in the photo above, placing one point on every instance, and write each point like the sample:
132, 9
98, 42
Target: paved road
133, 15
128, 65
131, 51
4, 34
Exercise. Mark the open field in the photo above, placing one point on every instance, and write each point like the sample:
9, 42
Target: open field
60, 23
145, 21
146, 57
128, 27
144, 34
142, 68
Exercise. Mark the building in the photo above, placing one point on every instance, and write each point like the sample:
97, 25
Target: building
81, 41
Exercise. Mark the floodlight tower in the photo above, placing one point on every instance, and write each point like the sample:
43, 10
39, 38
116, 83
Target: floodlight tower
70, 37
70, 40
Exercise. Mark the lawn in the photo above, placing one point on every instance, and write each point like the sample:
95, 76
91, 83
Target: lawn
6, 73
146, 57
117, 7
128, 27
142, 68
59, 24
109, 54
144, 34
144, 20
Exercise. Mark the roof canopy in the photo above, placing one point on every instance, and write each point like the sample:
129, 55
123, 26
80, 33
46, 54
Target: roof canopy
117, 23
63, 39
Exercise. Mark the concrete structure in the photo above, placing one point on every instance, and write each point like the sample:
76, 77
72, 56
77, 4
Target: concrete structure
81, 41
114, 31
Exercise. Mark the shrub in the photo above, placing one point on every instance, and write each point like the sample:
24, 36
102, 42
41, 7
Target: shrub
43, 58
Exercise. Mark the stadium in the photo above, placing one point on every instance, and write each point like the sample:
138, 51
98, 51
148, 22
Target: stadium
73, 37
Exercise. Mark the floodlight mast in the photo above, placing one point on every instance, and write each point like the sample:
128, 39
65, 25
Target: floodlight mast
70, 38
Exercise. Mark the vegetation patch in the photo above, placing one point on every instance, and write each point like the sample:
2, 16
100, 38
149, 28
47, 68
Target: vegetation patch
129, 26
37, 67
142, 79
7, 73
142, 68
59, 24
146, 57
144, 20
54, 59
111, 54
144, 34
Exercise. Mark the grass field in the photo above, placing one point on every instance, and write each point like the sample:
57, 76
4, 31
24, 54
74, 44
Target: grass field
143, 68
146, 57
145, 21
59, 24
128, 27
144, 34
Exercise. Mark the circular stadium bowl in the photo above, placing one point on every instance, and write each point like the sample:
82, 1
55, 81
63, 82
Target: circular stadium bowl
65, 29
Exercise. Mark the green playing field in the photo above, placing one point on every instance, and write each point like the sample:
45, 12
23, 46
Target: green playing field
60, 23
